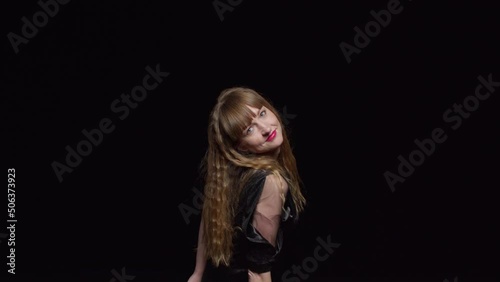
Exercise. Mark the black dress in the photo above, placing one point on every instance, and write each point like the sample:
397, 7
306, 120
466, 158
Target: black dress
251, 250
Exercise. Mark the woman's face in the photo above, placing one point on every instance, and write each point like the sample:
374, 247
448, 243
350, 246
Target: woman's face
263, 134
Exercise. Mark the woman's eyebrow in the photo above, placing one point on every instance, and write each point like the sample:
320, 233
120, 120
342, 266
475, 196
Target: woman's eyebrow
253, 117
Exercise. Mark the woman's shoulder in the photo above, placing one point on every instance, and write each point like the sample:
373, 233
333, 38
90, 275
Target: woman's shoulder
251, 176
262, 178
252, 184
251, 181
261, 184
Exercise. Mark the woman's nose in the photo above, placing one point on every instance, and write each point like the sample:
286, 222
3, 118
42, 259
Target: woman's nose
264, 128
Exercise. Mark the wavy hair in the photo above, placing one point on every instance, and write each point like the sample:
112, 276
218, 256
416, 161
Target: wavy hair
225, 169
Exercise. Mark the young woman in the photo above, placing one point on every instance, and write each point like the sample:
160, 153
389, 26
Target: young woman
251, 188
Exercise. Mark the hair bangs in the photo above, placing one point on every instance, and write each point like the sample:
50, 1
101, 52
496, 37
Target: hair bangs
236, 118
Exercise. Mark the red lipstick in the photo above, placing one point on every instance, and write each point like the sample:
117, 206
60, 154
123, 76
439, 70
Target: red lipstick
271, 136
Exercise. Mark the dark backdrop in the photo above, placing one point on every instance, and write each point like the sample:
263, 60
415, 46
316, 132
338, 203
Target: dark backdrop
119, 211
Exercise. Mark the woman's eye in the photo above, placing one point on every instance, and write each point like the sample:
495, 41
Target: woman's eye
263, 113
249, 130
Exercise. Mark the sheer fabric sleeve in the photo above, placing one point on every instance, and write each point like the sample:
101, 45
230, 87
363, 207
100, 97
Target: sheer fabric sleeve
262, 229
267, 215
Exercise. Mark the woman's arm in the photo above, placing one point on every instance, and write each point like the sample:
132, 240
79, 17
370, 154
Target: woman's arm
259, 277
267, 216
200, 257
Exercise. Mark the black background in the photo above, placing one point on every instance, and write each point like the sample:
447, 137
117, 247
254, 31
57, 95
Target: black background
120, 207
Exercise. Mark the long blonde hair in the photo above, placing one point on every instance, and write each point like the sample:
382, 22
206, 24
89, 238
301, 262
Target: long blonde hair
223, 163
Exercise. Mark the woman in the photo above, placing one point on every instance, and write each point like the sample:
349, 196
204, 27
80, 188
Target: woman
251, 188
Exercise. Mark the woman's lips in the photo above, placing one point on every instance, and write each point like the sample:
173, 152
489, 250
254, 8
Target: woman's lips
271, 136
